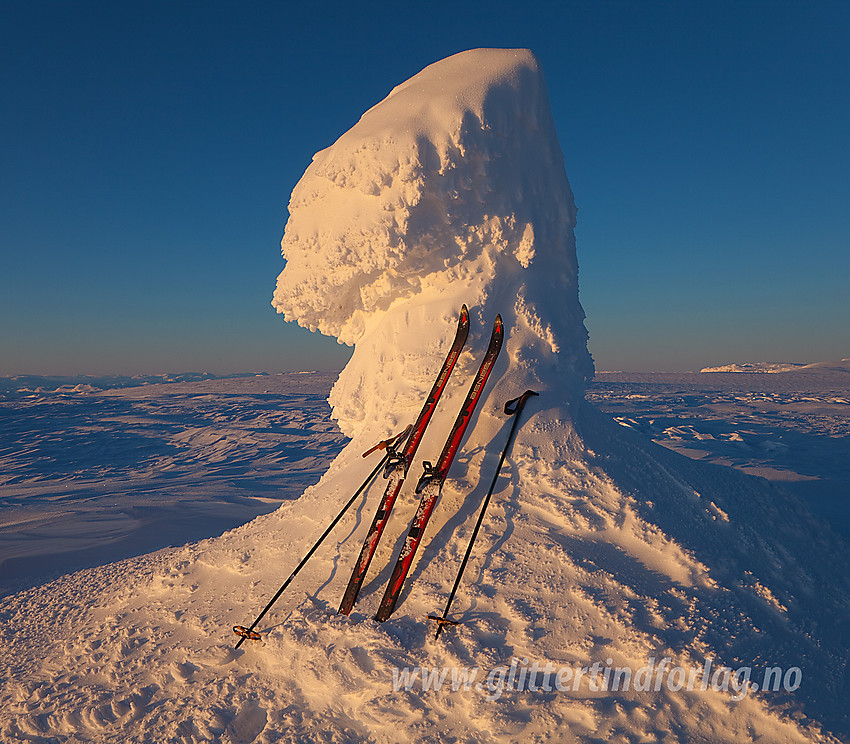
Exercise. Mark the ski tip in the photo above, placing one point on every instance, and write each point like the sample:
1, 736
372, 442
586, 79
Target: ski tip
498, 329
463, 320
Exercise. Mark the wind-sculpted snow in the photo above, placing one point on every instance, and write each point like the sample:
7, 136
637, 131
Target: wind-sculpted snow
600, 550
452, 190
792, 428
604, 547
91, 472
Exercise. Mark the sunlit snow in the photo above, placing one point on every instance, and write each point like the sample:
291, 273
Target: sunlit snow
600, 547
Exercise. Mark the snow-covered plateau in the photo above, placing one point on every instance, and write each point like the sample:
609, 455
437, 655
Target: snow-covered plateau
616, 583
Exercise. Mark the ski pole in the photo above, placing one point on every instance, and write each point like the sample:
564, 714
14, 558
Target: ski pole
512, 407
388, 444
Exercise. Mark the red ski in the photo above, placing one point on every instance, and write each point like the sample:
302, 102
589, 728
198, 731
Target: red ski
398, 465
431, 483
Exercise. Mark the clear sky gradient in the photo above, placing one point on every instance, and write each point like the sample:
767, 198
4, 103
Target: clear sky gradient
149, 149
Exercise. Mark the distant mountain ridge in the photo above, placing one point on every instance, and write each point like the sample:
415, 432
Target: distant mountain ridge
777, 367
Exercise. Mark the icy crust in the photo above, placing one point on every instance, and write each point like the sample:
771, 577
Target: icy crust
452, 190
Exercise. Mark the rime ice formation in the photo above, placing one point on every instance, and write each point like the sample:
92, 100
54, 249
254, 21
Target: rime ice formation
450, 190
599, 547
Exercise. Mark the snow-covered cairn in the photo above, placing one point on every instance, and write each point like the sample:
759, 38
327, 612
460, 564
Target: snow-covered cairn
600, 546
450, 190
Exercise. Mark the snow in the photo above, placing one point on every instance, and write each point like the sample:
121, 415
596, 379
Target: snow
599, 544
133, 465
755, 367
792, 428
780, 367
141, 650
452, 190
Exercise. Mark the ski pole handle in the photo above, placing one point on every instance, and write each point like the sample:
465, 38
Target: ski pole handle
515, 405
389, 443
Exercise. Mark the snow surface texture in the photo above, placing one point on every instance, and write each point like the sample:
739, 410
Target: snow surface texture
93, 470
599, 544
792, 428
451, 190
135, 652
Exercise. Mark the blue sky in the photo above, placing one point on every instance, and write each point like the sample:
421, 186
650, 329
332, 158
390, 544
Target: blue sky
149, 149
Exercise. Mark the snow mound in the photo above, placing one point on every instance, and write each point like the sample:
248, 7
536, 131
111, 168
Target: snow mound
451, 190
842, 365
600, 549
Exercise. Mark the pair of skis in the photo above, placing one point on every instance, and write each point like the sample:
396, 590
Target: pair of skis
431, 483
395, 466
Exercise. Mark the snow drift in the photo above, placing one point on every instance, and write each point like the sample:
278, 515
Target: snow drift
599, 546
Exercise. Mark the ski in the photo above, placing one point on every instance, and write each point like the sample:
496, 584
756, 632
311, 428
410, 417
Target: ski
249, 633
431, 483
512, 408
398, 465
